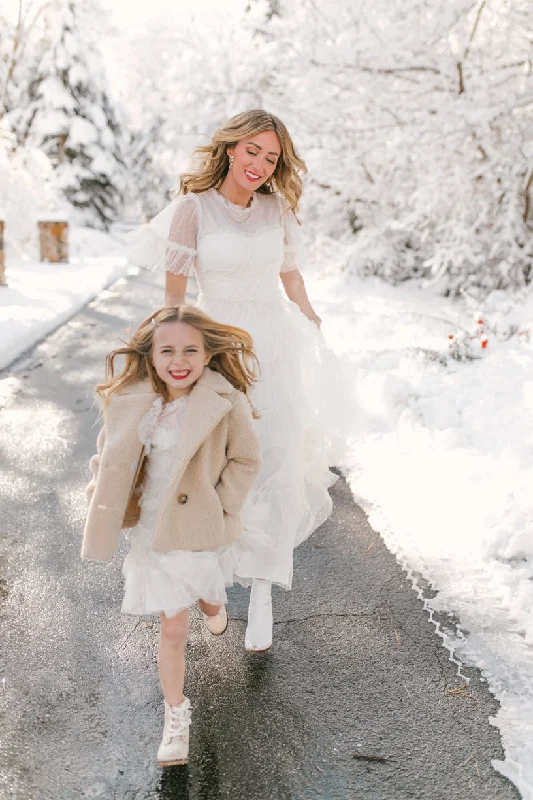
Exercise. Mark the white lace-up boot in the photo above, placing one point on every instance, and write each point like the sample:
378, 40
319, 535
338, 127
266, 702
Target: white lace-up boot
174, 748
217, 623
258, 637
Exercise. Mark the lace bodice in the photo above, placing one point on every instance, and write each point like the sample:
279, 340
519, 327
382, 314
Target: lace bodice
236, 253
160, 433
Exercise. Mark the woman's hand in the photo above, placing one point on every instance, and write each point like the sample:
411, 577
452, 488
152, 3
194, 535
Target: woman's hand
294, 286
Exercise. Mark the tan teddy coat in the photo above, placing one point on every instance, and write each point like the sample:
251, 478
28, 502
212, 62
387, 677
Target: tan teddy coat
218, 460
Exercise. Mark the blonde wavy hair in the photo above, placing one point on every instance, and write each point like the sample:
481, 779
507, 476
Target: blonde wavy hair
214, 161
230, 348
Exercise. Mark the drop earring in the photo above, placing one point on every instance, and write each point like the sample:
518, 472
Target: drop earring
230, 161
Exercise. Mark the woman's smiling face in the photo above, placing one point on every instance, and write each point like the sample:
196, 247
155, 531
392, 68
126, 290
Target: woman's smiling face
179, 356
254, 159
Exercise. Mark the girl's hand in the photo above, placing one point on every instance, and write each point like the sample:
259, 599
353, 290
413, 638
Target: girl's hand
316, 319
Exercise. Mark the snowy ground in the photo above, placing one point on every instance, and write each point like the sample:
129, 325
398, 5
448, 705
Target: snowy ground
41, 296
445, 468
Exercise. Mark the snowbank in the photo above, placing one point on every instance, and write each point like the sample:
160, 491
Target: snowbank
445, 468
41, 296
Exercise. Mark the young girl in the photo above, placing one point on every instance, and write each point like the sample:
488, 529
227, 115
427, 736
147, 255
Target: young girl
177, 456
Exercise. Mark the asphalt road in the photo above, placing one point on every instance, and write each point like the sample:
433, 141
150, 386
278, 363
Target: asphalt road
356, 668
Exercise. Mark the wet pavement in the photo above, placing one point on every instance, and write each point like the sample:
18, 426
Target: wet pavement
356, 699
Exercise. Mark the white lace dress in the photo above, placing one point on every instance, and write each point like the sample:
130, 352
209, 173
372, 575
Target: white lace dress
306, 403
170, 582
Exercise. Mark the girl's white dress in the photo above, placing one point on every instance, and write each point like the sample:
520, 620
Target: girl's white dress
306, 402
170, 582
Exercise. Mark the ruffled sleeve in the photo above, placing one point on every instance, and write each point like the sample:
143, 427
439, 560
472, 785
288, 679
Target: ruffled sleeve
295, 255
168, 242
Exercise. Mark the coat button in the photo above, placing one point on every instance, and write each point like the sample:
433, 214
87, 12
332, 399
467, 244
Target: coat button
182, 499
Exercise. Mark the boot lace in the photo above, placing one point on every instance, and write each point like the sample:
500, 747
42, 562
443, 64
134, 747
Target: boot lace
179, 718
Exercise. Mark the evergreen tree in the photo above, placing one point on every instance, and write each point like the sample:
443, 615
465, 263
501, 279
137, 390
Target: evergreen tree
72, 119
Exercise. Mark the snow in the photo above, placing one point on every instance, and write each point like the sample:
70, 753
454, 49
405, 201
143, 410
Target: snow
41, 296
81, 132
443, 464
58, 215
444, 467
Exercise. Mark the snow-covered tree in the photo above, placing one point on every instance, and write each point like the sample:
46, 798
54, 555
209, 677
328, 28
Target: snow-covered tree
70, 117
416, 123
27, 192
183, 76
21, 46
415, 118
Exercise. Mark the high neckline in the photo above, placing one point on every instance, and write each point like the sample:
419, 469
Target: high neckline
235, 208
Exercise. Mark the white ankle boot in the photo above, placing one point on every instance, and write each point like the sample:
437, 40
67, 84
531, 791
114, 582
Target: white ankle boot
174, 748
258, 637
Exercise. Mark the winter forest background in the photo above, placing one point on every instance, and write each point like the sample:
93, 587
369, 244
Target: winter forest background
415, 118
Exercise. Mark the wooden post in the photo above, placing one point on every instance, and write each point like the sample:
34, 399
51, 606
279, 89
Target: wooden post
53, 238
3, 281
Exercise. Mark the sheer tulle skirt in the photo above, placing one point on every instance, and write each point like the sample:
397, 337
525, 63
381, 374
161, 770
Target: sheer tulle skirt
307, 411
170, 582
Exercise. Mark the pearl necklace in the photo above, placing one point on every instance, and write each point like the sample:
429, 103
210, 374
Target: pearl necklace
233, 208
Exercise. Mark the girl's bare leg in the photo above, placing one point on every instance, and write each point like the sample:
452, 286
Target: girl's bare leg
174, 632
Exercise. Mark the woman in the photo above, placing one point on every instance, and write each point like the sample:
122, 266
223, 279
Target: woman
234, 226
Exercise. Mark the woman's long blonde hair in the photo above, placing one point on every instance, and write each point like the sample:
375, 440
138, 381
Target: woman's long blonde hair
214, 161
230, 348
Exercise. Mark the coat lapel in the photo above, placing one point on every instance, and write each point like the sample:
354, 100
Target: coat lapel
206, 406
125, 412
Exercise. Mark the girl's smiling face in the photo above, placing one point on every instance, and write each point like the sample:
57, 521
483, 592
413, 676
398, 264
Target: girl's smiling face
179, 356
254, 159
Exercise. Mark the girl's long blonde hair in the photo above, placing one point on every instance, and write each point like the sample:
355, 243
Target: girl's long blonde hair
214, 161
230, 348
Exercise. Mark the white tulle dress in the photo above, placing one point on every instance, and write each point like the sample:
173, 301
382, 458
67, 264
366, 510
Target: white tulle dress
304, 398
171, 582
